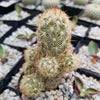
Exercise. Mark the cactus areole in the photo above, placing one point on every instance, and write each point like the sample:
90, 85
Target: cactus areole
47, 63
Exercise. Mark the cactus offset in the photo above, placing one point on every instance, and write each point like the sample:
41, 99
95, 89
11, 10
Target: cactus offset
93, 11
32, 54
81, 2
48, 67
50, 3
51, 83
31, 86
54, 31
71, 63
28, 68
29, 2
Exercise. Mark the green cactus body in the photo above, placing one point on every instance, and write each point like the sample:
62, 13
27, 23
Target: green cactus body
93, 11
71, 62
31, 86
29, 2
50, 3
48, 67
32, 54
96, 1
28, 68
51, 83
54, 31
81, 2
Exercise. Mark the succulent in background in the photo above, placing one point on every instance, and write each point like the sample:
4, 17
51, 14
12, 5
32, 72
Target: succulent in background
3, 54
29, 2
93, 50
96, 1
81, 2
50, 3
1, 22
25, 37
52, 57
18, 10
80, 86
93, 11
31, 85
73, 22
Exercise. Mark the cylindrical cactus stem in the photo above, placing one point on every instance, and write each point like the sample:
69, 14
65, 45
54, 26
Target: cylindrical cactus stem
54, 31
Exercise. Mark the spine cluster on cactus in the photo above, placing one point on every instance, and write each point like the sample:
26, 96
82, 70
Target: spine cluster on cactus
72, 62
50, 3
81, 2
31, 86
48, 67
52, 57
32, 54
29, 2
93, 11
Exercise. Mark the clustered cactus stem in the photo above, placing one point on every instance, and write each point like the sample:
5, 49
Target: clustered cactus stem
46, 63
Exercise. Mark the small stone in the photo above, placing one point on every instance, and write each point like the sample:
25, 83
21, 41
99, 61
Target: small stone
59, 93
60, 86
60, 98
50, 97
48, 93
65, 98
53, 92
42, 95
63, 80
39, 98
55, 97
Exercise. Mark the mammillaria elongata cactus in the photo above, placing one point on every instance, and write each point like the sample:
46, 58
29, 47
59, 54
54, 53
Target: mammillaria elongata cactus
93, 11
29, 2
81, 2
50, 3
47, 64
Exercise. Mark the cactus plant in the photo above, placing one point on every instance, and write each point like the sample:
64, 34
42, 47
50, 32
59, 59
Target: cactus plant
93, 11
28, 68
72, 62
31, 86
50, 3
31, 54
96, 1
81, 2
52, 56
51, 83
29, 2
54, 32
48, 67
